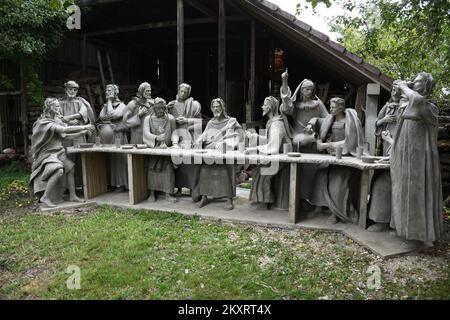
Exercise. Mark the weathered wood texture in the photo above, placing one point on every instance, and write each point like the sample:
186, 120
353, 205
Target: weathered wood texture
94, 174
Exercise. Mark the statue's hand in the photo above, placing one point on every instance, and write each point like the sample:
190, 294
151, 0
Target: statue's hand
309, 129
390, 118
181, 120
74, 122
285, 76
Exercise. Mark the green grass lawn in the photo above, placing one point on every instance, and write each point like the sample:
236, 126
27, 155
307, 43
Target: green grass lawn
130, 254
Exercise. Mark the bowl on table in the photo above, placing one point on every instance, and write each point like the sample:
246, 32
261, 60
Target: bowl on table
86, 145
368, 159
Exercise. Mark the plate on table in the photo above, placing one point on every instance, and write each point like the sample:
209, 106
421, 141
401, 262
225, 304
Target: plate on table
141, 146
86, 145
127, 147
201, 151
294, 154
369, 159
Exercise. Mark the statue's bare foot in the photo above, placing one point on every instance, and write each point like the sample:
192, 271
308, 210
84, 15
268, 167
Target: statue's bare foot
74, 198
46, 201
171, 198
152, 197
203, 202
257, 206
411, 245
229, 205
378, 227
333, 219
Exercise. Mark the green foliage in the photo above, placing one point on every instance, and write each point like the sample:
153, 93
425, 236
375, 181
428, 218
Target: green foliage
28, 30
14, 189
401, 37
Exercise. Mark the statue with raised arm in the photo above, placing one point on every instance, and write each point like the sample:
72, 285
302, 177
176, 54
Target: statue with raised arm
336, 187
299, 108
157, 133
271, 188
137, 109
50, 163
187, 114
110, 127
415, 167
218, 180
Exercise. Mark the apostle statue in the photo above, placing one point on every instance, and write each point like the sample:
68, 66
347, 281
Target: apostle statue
299, 109
187, 113
386, 129
221, 133
336, 187
415, 168
111, 129
157, 133
271, 188
51, 169
137, 109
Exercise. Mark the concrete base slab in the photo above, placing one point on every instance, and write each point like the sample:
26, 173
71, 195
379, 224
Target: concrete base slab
383, 244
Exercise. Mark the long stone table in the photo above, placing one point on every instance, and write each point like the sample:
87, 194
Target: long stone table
95, 176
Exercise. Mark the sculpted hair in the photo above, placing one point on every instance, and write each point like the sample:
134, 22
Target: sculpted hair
222, 104
338, 101
48, 104
274, 104
141, 89
429, 82
185, 85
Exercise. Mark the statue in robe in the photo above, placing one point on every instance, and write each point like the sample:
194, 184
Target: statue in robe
271, 188
137, 109
51, 168
299, 108
187, 114
218, 180
157, 133
380, 199
415, 167
110, 122
75, 111
337, 187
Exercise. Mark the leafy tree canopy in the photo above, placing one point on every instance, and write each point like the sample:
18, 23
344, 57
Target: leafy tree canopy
401, 37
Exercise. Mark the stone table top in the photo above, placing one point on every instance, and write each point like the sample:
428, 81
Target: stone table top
230, 157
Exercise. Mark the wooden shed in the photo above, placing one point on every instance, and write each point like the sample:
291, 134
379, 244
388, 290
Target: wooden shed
234, 49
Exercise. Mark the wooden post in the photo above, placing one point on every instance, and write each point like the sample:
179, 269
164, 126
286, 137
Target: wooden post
294, 193
108, 60
137, 178
23, 106
94, 174
221, 89
363, 198
252, 88
180, 41
373, 92
100, 66
84, 53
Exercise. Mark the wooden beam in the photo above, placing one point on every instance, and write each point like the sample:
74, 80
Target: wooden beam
84, 53
111, 75
222, 52
11, 93
95, 2
158, 25
24, 114
100, 66
252, 85
180, 41
202, 8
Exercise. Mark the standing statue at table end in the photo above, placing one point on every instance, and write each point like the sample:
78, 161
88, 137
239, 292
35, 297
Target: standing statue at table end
415, 167
157, 133
51, 169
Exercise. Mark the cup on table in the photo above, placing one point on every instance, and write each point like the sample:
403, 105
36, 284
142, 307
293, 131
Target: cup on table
117, 142
338, 152
359, 152
287, 147
98, 142
76, 143
241, 147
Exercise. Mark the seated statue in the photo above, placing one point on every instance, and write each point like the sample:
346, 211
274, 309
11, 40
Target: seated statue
50, 163
111, 129
137, 109
271, 188
157, 133
187, 113
336, 187
218, 180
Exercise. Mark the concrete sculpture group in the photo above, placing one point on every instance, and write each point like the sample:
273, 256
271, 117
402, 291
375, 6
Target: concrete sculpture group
407, 198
